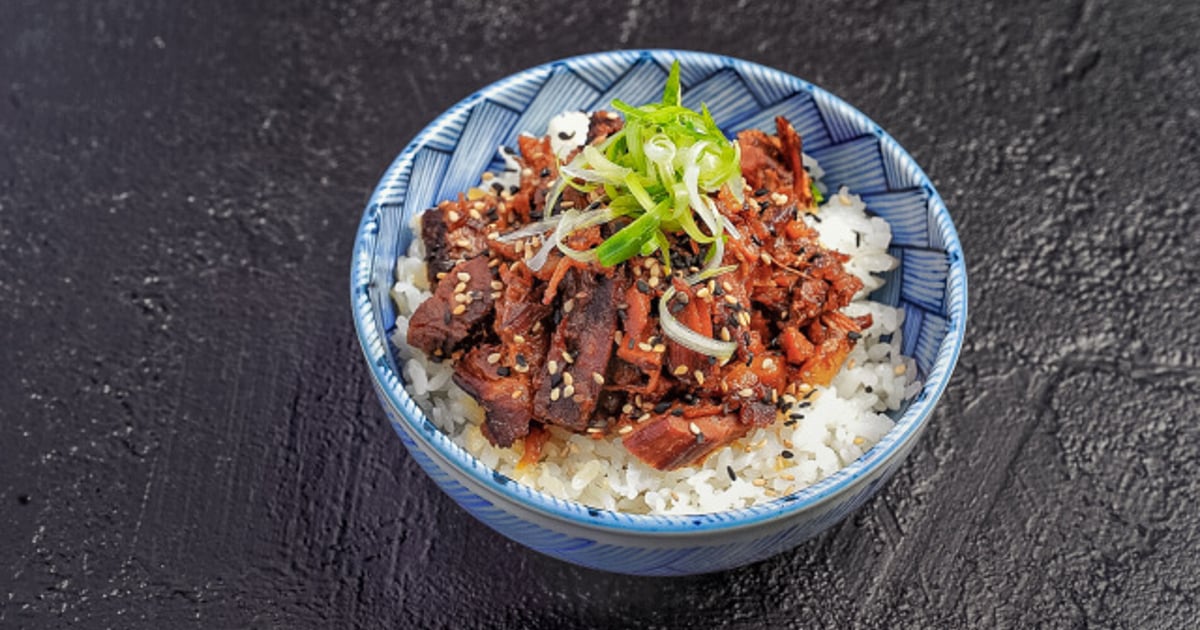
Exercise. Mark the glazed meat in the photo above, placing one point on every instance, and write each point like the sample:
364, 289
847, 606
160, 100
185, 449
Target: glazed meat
569, 345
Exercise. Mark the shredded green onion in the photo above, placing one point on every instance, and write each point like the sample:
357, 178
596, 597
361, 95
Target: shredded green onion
658, 171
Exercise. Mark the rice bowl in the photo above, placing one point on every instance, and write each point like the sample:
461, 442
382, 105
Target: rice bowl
932, 295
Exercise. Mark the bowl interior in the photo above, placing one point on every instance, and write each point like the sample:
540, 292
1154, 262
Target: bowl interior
451, 154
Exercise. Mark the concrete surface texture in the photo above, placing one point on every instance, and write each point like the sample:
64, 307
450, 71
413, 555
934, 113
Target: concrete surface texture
187, 433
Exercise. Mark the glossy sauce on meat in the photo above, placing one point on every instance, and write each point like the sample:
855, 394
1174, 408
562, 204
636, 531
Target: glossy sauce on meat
580, 347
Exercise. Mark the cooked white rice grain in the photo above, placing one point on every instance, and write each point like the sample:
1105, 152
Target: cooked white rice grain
833, 428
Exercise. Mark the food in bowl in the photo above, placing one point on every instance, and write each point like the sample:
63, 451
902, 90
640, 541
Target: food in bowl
643, 315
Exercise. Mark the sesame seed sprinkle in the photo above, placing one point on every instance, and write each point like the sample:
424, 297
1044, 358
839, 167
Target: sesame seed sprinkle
493, 358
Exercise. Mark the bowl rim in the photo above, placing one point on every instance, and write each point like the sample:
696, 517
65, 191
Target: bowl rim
907, 426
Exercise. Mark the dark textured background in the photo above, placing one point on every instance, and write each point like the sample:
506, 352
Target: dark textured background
187, 433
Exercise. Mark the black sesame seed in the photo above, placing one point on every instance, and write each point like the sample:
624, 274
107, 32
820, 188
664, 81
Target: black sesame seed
854, 336
869, 389
756, 240
677, 412
789, 423
760, 192
732, 475
521, 360
815, 218
514, 189
546, 172
676, 307
498, 187
699, 438
763, 205
630, 344
796, 416
712, 360
562, 135
858, 239
446, 319
643, 287
662, 407
786, 454
718, 291
503, 370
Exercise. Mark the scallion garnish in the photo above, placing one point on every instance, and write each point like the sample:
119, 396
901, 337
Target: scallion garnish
659, 170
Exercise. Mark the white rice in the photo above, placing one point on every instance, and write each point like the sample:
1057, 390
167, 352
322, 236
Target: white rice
842, 422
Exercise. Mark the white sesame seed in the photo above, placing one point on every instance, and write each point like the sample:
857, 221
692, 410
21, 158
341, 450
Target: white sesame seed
453, 216
693, 428
768, 364
517, 394
497, 285
645, 347
518, 339
680, 370
699, 376
597, 378
568, 391
463, 276
567, 357
569, 306
625, 429
746, 392
493, 358
568, 379
459, 310
730, 299
552, 366
554, 394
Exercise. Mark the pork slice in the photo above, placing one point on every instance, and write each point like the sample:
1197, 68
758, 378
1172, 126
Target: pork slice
434, 233
668, 441
503, 394
436, 328
580, 348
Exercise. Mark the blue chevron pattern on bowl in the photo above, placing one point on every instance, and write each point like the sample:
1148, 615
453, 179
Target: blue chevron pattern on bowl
451, 154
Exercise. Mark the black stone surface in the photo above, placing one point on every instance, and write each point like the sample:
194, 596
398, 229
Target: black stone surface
187, 433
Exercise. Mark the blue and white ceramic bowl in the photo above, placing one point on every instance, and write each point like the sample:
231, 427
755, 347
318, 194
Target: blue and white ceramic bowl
451, 153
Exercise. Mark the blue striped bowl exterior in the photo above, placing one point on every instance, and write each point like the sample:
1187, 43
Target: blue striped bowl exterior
450, 155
